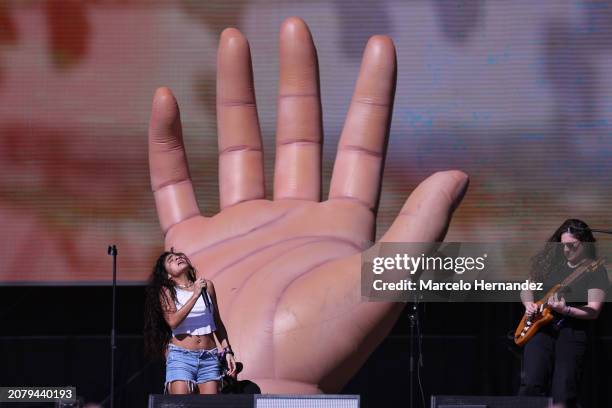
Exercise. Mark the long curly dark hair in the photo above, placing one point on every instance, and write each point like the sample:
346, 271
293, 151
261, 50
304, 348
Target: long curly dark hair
551, 258
157, 333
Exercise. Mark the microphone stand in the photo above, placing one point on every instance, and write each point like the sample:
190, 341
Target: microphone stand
413, 317
416, 361
602, 231
112, 250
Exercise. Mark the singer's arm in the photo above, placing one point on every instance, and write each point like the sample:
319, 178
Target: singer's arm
221, 331
173, 316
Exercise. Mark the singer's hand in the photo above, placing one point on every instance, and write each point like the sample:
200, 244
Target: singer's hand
287, 270
231, 365
198, 285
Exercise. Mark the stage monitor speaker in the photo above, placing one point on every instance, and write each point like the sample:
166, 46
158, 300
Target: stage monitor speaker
194, 400
306, 401
253, 401
473, 401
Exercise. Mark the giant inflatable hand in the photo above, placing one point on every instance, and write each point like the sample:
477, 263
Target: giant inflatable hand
287, 270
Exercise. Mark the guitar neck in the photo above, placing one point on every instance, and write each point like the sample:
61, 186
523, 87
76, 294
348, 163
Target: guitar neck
578, 273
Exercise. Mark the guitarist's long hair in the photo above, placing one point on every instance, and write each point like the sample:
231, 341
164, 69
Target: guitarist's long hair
552, 258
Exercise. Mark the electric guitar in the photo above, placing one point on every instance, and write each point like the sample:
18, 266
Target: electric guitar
530, 325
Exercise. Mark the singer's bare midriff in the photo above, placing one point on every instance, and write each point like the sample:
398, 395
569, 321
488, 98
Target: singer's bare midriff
194, 342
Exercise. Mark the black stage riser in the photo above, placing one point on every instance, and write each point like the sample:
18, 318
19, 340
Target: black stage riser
473, 401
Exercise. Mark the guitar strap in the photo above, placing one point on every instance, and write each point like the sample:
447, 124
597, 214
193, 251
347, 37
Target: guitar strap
591, 266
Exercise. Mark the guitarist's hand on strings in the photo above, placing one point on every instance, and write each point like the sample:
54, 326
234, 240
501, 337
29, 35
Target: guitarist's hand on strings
530, 308
557, 304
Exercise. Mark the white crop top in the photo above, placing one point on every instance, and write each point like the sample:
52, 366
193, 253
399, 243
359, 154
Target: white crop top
200, 319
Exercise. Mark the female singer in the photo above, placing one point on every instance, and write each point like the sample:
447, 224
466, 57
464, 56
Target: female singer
552, 359
181, 321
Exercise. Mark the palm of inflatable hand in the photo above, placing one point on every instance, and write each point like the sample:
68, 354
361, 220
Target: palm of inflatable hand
287, 271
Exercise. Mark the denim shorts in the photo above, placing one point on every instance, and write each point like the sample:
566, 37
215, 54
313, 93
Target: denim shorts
193, 366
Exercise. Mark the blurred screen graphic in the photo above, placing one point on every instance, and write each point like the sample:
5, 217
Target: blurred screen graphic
516, 94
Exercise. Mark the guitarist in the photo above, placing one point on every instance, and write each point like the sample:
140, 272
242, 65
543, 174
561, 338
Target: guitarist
552, 359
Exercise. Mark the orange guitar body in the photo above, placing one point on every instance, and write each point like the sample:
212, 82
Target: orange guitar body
529, 326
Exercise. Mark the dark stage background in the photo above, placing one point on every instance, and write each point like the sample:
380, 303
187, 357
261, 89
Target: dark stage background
52, 336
